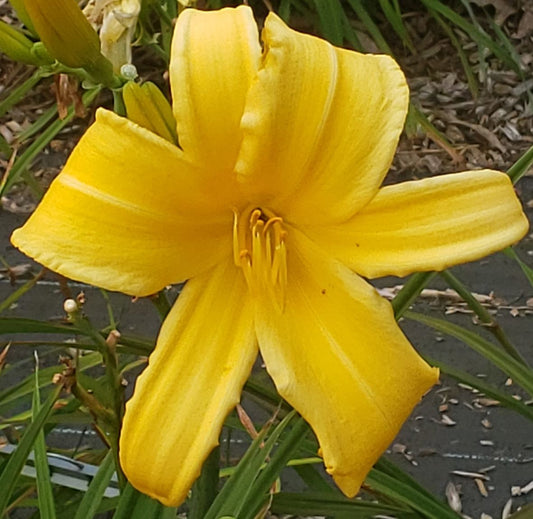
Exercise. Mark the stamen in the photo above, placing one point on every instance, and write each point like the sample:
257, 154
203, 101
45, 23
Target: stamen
259, 249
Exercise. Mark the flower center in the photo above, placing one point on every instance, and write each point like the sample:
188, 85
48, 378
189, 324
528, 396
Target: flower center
259, 249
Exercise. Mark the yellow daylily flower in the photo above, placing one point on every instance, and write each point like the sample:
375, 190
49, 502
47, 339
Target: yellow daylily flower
271, 207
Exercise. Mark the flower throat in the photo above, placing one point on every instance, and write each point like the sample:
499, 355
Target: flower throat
259, 249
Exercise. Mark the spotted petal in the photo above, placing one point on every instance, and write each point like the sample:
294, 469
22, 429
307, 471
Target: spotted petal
124, 214
337, 355
320, 126
204, 354
430, 224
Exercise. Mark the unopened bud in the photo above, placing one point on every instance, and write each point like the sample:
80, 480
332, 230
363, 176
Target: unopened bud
129, 71
68, 36
70, 306
148, 107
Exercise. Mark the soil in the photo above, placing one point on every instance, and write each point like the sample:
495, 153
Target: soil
459, 445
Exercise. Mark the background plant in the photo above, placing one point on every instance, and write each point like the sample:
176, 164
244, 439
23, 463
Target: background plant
86, 386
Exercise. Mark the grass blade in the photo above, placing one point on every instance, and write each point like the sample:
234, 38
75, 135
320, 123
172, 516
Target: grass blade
95, 493
470, 76
19, 93
330, 16
484, 316
315, 503
135, 505
13, 467
394, 17
286, 449
487, 389
479, 37
410, 291
24, 161
372, 28
17, 294
521, 166
403, 493
204, 490
526, 269
234, 493
45, 494
520, 374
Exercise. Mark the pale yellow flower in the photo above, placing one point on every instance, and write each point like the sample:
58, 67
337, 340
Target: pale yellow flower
116, 20
272, 209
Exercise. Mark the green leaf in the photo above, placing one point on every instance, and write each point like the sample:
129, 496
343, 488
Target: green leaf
483, 314
21, 325
135, 505
93, 497
394, 17
17, 393
285, 450
481, 38
387, 467
24, 161
14, 296
13, 467
204, 490
372, 28
44, 485
469, 72
487, 389
127, 343
231, 498
316, 503
401, 492
410, 291
526, 269
20, 92
330, 15
521, 166
5, 148
520, 374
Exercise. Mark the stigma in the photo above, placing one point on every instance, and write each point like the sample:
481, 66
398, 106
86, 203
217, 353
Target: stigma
259, 250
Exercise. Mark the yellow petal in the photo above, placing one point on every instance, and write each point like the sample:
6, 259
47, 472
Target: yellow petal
204, 354
126, 213
337, 355
429, 224
321, 122
214, 57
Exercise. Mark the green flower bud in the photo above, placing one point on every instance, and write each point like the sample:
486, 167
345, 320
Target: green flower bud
148, 107
69, 37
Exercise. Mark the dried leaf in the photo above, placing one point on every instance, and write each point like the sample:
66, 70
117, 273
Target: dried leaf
454, 500
481, 487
